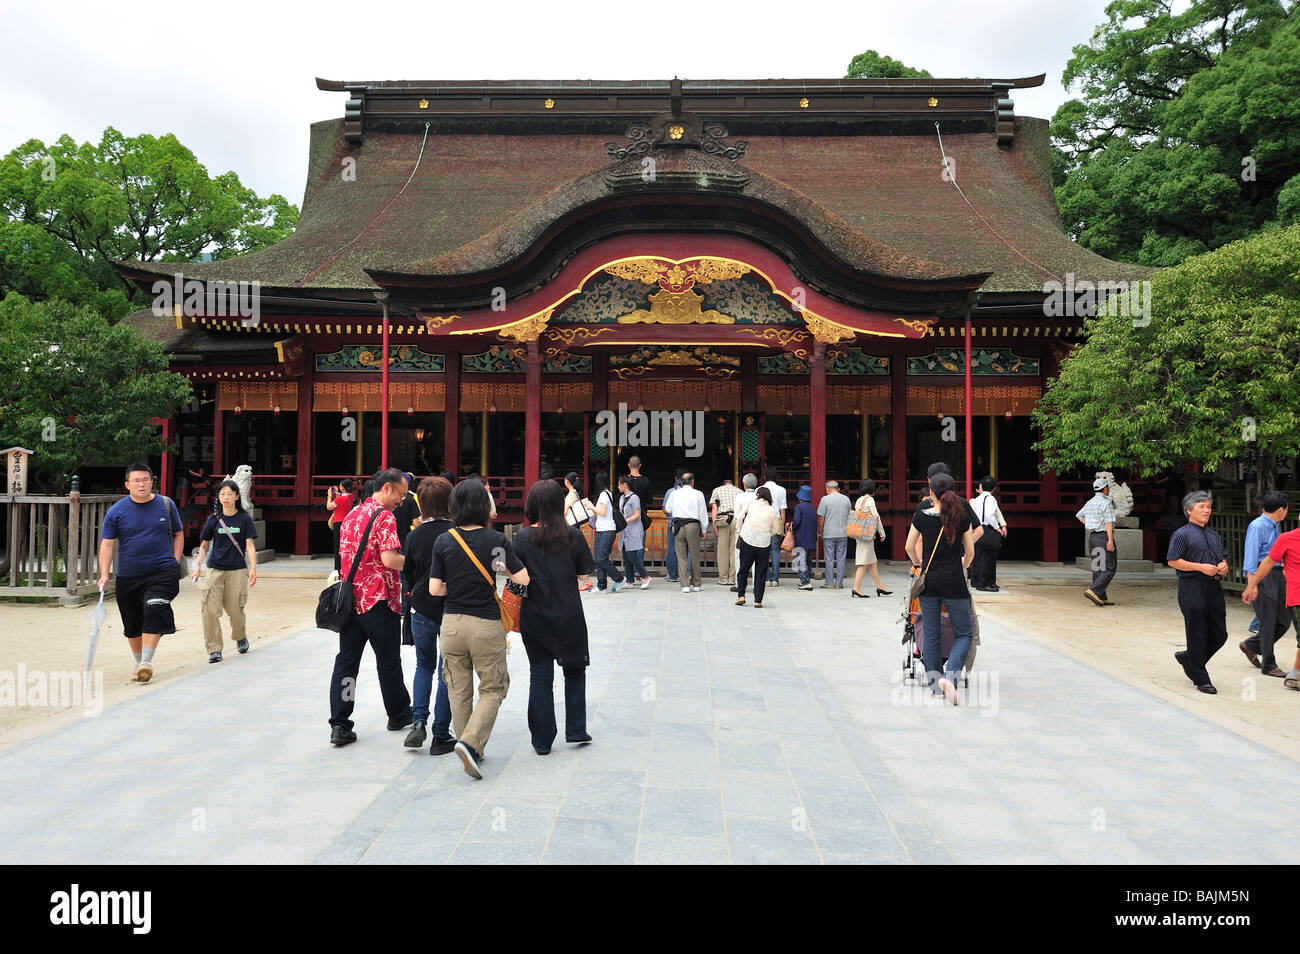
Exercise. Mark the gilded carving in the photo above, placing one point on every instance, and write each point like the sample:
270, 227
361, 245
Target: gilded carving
825, 330
916, 324
677, 276
675, 308
568, 335
527, 329
434, 322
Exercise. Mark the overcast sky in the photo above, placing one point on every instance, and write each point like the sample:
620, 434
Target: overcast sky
235, 80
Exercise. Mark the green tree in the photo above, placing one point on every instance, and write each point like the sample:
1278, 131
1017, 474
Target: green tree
1187, 136
871, 65
79, 390
1210, 378
71, 209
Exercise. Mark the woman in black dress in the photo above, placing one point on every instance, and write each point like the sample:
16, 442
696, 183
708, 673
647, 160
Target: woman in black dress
551, 621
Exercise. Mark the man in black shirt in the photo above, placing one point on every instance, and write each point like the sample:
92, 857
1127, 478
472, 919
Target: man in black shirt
1199, 557
640, 487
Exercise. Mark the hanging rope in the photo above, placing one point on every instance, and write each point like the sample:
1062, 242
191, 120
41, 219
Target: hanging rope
953, 179
377, 217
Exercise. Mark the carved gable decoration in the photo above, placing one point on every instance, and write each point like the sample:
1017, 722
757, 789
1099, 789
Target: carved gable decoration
984, 361
363, 357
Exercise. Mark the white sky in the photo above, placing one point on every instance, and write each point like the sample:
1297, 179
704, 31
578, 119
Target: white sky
198, 70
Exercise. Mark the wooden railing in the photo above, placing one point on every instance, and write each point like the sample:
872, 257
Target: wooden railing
53, 537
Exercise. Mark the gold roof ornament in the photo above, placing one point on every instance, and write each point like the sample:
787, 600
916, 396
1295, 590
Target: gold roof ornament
933, 101
549, 104
424, 104
803, 102
675, 308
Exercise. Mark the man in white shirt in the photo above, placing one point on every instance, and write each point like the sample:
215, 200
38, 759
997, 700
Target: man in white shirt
984, 567
778, 504
743, 500
690, 514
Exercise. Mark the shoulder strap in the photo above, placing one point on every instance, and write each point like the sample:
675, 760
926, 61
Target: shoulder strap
230, 540
361, 547
935, 550
465, 546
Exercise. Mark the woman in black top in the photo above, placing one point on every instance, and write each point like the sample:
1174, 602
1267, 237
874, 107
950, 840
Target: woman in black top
942, 538
472, 637
434, 497
553, 625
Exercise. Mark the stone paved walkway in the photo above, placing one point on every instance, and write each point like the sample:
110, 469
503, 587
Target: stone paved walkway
722, 734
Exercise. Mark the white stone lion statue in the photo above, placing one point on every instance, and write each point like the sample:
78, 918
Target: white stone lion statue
1120, 495
243, 479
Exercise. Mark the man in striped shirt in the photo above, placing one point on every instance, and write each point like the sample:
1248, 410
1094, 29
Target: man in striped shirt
1098, 518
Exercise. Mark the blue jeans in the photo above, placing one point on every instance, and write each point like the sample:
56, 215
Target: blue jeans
541, 703
634, 564
604, 565
670, 559
427, 661
774, 558
931, 651
835, 548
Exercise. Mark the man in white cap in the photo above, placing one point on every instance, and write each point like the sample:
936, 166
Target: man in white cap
1098, 518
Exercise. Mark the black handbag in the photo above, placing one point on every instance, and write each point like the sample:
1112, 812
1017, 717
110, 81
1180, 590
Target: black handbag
334, 608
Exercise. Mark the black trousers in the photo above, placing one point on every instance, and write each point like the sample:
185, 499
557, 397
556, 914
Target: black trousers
1274, 619
1205, 622
1101, 577
752, 558
984, 567
382, 628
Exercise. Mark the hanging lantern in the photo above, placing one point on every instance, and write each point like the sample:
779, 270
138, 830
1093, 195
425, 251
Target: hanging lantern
493, 408
419, 435
857, 412
1008, 414
276, 409
559, 410
706, 407
410, 410
345, 409
789, 412
238, 410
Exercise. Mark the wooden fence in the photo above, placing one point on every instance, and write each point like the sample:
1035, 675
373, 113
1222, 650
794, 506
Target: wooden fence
52, 544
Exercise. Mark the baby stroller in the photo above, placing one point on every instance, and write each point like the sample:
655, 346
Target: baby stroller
913, 667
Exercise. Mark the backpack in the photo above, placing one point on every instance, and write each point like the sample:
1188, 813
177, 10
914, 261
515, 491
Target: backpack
620, 521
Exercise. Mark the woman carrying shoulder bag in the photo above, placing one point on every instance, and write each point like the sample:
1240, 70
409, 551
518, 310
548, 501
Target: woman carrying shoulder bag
865, 555
552, 622
941, 543
462, 569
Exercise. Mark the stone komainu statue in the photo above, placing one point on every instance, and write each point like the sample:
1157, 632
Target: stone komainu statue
1120, 495
243, 478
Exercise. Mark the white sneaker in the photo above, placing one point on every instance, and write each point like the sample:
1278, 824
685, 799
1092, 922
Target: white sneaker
686, 589
697, 589
645, 584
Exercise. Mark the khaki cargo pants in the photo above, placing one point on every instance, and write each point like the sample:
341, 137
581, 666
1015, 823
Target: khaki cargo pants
228, 590
469, 645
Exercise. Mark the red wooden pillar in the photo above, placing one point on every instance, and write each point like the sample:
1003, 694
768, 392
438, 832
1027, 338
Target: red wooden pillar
968, 391
532, 417
600, 382
748, 384
1051, 492
898, 501
817, 423
302, 474
451, 415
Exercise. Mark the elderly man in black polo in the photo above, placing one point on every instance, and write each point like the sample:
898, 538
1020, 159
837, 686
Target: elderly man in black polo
1199, 557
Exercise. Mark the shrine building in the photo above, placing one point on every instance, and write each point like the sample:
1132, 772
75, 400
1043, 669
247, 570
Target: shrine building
805, 263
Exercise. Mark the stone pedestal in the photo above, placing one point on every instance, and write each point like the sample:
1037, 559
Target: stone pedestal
1128, 552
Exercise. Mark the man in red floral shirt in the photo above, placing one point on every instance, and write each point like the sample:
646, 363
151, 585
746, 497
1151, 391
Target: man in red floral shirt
377, 601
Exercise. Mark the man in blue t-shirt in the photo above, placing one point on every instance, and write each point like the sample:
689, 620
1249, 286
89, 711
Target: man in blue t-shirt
145, 530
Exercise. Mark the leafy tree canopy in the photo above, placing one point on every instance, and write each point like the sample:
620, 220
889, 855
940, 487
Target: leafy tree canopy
79, 390
69, 209
1187, 136
1212, 377
871, 65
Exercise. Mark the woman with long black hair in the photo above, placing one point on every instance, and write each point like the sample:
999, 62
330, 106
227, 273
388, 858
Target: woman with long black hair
941, 543
232, 569
551, 620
